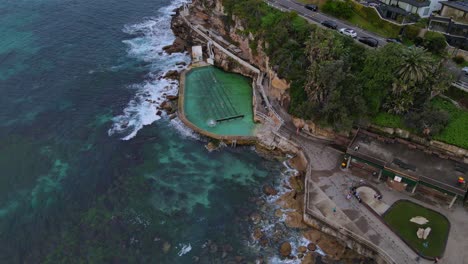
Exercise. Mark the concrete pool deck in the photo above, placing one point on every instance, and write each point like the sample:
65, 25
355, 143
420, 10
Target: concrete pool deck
237, 139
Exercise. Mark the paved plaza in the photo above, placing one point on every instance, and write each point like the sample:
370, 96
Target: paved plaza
329, 185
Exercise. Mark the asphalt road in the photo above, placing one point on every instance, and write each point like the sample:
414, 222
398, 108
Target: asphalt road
317, 18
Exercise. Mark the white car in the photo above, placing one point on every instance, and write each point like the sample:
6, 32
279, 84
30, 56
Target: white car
348, 32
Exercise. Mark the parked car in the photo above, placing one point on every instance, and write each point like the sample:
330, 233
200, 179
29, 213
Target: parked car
330, 24
348, 32
393, 40
465, 70
311, 7
369, 41
373, 4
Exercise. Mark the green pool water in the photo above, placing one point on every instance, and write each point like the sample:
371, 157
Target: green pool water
212, 94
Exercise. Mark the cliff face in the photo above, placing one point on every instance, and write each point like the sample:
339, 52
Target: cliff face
210, 15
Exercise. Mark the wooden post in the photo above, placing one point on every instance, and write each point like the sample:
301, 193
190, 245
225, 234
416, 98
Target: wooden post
414, 188
349, 162
453, 201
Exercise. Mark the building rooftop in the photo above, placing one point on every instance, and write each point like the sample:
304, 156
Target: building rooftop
410, 160
417, 3
460, 5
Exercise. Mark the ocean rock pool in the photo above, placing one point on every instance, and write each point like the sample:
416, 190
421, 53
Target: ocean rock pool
219, 102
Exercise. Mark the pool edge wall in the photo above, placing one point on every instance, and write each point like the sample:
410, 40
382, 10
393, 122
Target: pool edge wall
242, 140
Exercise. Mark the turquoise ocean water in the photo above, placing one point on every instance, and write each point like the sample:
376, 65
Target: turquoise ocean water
88, 174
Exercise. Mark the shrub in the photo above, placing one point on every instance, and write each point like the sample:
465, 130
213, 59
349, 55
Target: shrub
412, 31
337, 8
458, 59
428, 122
434, 42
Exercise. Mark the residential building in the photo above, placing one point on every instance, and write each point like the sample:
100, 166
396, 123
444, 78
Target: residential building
422, 8
453, 23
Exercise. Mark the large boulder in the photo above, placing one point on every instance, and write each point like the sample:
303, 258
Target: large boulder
172, 74
294, 220
177, 46
269, 190
285, 249
302, 249
311, 247
166, 105
172, 97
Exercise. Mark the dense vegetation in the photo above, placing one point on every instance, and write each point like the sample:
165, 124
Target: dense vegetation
338, 82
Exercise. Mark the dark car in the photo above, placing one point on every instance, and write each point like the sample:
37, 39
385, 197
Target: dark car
369, 41
329, 24
311, 7
393, 40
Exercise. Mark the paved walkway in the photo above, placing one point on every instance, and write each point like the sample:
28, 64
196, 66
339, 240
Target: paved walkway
326, 192
328, 185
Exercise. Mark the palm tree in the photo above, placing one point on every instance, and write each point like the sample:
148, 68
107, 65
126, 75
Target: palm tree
416, 66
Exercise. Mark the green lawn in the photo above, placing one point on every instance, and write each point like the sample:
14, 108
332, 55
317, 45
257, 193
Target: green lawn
398, 216
456, 132
388, 120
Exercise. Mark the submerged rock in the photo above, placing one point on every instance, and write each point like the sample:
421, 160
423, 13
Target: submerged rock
166, 247
213, 248
256, 218
258, 234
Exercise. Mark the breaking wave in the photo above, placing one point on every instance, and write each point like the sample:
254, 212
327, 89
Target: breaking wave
149, 38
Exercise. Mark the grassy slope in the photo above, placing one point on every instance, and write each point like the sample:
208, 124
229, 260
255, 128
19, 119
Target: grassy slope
456, 132
398, 218
365, 18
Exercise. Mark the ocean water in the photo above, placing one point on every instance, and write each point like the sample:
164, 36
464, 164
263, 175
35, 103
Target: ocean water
88, 172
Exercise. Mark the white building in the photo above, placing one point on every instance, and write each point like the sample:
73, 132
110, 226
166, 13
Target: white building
423, 8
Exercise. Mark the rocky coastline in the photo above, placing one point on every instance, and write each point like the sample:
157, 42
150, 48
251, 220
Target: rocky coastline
283, 202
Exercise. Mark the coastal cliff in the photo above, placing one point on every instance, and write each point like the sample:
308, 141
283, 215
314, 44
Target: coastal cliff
229, 30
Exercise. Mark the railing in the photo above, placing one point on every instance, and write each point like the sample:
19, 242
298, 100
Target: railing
461, 85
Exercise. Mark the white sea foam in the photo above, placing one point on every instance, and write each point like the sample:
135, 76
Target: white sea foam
149, 38
184, 250
183, 130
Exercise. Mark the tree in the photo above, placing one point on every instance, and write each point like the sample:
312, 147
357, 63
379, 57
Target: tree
434, 42
378, 75
415, 67
334, 95
411, 31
